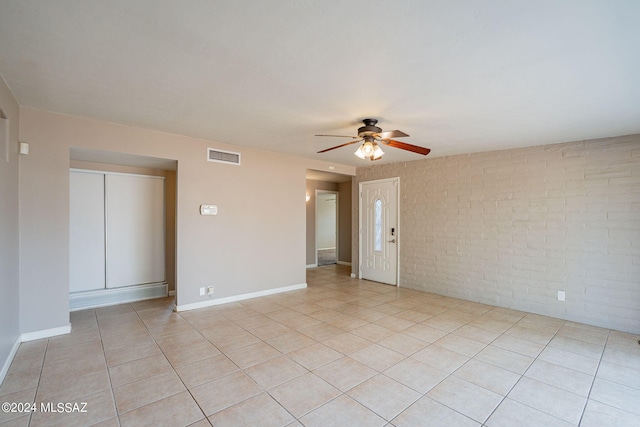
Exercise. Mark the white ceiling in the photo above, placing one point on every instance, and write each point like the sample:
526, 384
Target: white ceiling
458, 76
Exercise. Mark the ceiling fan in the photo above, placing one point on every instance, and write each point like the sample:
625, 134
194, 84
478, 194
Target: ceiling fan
372, 135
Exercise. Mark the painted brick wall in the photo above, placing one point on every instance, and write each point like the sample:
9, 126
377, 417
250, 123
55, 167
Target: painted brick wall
513, 227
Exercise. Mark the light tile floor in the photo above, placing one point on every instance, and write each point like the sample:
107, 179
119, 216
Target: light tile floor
342, 352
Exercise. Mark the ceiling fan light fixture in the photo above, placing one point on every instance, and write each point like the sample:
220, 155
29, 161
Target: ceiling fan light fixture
377, 153
368, 149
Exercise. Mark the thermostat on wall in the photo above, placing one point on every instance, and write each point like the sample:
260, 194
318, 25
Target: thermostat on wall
208, 209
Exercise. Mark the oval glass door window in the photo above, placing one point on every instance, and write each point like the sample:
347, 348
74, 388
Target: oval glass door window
377, 234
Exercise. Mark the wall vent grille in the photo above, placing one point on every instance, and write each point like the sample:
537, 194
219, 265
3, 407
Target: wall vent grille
221, 156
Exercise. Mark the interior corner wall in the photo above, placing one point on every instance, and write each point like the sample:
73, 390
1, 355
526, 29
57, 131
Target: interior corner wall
9, 237
512, 228
344, 222
312, 186
256, 243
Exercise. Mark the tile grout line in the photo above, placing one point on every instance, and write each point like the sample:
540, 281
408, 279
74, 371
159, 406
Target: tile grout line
35, 396
104, 354
595, 375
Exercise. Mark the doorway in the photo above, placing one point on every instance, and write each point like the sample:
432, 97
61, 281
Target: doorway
326, 227
379, 225
319, 182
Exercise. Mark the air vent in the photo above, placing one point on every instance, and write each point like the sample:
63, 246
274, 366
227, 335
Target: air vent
221, 156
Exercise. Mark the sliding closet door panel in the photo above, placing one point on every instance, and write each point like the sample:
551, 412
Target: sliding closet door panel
135, 230
86, 232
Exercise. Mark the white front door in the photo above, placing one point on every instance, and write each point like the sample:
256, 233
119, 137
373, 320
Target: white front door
379, 230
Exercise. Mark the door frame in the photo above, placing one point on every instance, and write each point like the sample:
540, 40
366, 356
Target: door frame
337, 194
396, 180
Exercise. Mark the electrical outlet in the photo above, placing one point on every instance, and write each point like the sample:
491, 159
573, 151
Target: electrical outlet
202, 293
560, 295
210, 290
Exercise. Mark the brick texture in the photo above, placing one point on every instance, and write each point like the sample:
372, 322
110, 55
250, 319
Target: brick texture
513, 227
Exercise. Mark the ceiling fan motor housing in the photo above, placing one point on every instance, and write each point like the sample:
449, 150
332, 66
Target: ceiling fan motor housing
369, 128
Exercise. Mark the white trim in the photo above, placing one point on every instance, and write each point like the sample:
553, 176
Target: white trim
112, 296
359, 275
9, 360
172, 293
235, 298
312, 265
324, 249
353, 276
398, 231
45, 333
343, 263
105, 229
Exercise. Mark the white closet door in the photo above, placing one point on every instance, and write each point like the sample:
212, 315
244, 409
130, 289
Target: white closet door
135, 230
86, 237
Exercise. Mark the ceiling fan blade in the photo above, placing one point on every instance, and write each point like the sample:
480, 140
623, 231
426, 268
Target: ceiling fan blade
405, 146
391, 134
341, 136
339, 146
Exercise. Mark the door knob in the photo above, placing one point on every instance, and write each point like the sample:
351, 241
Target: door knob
392, 241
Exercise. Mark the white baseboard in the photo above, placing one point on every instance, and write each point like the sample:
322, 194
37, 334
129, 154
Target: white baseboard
46, 333
343, 263
107, 297
7, 362
235, 298
312, 265
353, 276
30, 336
172, 293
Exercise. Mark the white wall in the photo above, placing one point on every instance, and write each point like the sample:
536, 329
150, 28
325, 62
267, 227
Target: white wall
9, 237
252, 245
513, 227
